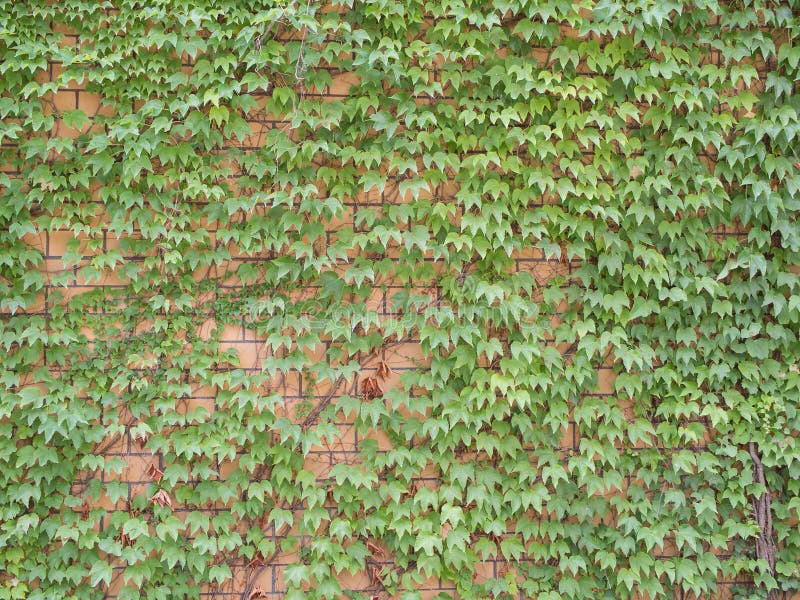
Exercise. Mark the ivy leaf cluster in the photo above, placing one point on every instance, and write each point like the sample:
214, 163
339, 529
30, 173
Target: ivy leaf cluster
484, 299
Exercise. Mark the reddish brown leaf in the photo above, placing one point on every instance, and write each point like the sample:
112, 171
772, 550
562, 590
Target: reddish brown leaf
256, 561
375, 549
446, 528
257, 593
384, 370
141, 440
374, 574
154, 473
161, 497
371, 388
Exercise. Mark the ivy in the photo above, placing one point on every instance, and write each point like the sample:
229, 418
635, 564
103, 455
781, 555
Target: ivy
365, 299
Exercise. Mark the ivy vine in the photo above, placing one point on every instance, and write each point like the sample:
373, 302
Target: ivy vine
521, 277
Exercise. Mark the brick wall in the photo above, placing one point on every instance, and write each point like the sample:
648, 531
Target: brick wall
250, 348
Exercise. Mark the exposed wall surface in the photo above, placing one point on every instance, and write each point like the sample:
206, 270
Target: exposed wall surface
399, 299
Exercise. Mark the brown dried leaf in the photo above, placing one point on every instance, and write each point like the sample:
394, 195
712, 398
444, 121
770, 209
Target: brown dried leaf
374, 575
446, 528
564, 259
256, 561
375, 549
154, 473
46, 186
371, 388
257, 593
161, 497
384, 370
84, 509
141, 440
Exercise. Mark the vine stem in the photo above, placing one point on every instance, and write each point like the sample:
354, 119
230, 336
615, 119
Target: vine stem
307, 422
762, 507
